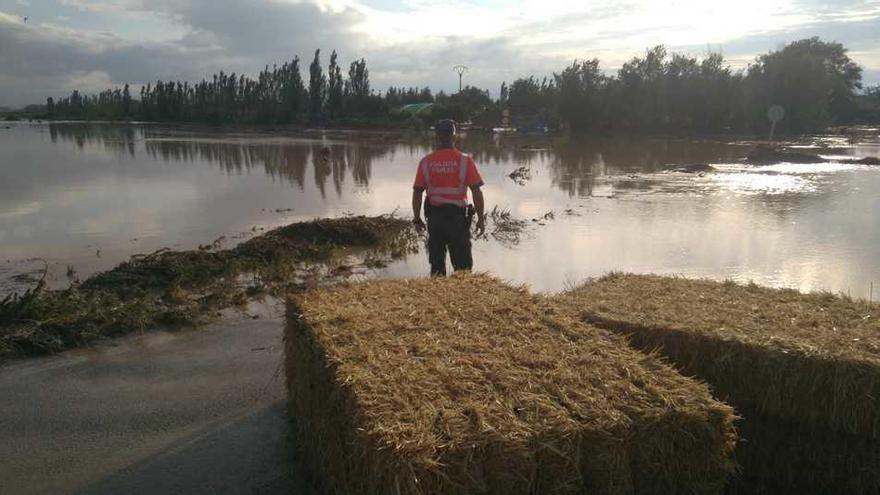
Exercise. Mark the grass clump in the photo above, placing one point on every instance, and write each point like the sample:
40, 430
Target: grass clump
468, 385
506, 228
184, 287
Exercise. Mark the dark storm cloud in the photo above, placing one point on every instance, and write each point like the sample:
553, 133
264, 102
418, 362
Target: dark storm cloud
233, 35
45, 51
267, 29
39, 59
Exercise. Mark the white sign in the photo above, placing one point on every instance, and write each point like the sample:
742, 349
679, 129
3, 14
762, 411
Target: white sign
775, 113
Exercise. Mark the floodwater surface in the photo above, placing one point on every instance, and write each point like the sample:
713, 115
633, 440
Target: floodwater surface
80, 198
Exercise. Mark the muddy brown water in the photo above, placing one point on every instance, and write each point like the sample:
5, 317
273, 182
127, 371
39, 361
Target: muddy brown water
89, 196
202, 411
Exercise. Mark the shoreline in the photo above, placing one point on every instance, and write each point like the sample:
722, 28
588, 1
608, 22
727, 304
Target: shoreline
403, 131
173, 289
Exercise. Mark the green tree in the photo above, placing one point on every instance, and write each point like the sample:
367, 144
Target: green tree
717, 90
126, 101
637, 103
359, 100
317, 85
580, 94
358, 84
291, 90
334, 87
813, 80
532, 102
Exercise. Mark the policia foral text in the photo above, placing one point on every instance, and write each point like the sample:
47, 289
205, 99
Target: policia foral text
445, 176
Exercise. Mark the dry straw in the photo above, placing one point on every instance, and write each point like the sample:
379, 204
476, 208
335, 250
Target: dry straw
782, 457
812, 359
469, 385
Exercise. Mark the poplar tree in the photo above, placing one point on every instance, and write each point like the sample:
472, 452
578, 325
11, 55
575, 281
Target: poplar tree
317, 84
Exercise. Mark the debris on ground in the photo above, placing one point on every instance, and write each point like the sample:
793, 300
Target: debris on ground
550, 215
187, 287
504, 227
521, 175
694, 168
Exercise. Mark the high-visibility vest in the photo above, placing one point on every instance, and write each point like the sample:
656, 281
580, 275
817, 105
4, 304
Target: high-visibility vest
440, 195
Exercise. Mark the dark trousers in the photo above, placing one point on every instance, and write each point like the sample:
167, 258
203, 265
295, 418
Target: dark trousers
448, 229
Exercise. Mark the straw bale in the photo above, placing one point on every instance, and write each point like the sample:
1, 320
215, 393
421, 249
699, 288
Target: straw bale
779, 456
809, 358
469, 385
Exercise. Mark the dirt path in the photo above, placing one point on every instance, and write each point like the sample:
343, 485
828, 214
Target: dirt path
189, 412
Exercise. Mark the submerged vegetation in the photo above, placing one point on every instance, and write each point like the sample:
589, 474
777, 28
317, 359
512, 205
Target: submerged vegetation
505, 228
813, 80
186, 287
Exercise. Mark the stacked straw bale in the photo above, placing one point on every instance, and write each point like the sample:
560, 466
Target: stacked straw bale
805, 364
469, 385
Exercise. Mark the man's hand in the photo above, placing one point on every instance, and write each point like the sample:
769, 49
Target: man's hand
420, 225
481, 226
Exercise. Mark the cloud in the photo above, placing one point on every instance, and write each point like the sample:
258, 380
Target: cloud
861, 37
107, 6
45, 59
405, 42
491, 61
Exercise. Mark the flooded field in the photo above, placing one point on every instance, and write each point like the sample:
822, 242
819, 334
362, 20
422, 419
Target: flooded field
82, 198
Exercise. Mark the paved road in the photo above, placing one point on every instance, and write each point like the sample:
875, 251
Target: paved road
188, 412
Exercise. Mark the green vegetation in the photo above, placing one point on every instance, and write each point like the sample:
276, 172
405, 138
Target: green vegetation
30, 112
815, 81
868, 104
186, 287
505, 228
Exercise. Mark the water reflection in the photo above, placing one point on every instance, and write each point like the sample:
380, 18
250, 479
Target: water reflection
236, 154
112, 137
70, 190
574, 166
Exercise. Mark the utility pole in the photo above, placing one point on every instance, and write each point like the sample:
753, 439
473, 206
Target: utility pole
460, 69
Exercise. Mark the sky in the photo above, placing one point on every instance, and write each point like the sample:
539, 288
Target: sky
91, 45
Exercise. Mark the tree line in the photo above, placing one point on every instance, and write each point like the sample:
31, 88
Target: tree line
815, 81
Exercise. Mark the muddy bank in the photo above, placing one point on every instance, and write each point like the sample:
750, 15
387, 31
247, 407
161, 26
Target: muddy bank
184, 288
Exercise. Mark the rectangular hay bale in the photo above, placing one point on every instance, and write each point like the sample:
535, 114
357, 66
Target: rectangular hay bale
803, 370
808, 358
779, 456
469, 385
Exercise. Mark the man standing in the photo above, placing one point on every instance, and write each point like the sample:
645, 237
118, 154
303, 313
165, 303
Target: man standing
445, 176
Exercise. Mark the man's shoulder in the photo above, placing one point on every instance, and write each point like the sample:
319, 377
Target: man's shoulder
444, 154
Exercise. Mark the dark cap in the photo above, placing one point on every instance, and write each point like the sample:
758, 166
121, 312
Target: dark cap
445, 127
